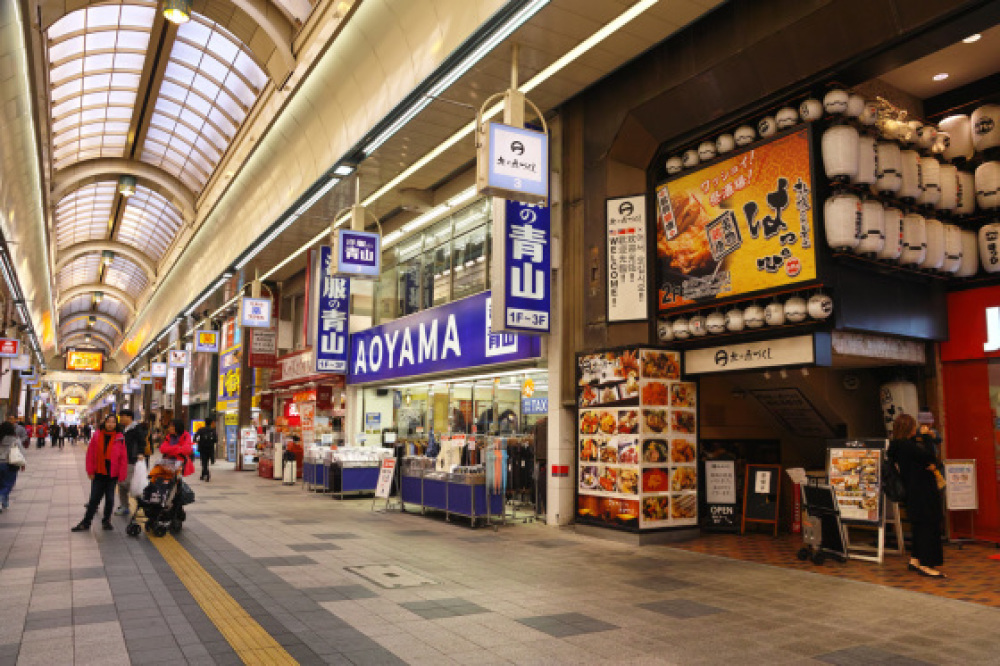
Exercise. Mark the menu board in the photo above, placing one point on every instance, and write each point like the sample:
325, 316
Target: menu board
628, 289
856, 478
637, 440
738, 226
961, 489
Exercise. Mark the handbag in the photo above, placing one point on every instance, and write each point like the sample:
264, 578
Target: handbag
892, 483
15, 458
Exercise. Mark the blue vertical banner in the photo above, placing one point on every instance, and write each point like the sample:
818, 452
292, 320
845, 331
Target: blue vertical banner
522, 267
332, 314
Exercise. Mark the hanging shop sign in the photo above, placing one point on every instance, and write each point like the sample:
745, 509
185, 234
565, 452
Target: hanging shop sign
255, 312
263, 343
720, 496
136, 384
961, 493
455, 336
324, 397
177, 358
158, 369
171, 386
267, 403
521, 270
333, 309
798, 350
740, 226
855, 473
9, 348
229, 380
359, 253
72, 400
628, 286
145, 377
513, 163
206, 341
87, 361
21, 362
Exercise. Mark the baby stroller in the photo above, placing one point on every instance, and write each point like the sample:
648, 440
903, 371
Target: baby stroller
163, 500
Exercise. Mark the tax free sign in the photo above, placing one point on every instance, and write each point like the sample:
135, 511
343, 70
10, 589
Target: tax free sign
455, 336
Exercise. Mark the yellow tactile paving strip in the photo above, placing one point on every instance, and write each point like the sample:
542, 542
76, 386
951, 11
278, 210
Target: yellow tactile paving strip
253, 645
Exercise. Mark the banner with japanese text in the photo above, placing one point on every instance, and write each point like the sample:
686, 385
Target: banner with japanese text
740, 226
333, 307
522, 267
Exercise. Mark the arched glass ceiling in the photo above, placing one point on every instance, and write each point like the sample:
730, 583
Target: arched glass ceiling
210, 84
79, 271
96, 57
83, 214
149, 223
80, 326
77, 305
114, 309
125, 275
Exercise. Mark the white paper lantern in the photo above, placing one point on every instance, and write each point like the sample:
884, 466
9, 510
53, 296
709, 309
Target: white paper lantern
897, 398
986, 127
767, 126
690, 159
941, 144
795, 309
909, 174
774, 314
696, 325
753, 316
934, 257
914, 126
842, 217
715, 322
989, 247
930, 181
840, 152
905, 134
926, 136
893, 246
835, 101
706, 151
664, 331
674, 165
786, 117
959, 129
949, 188
811, 109
966, 194
871, 238
869, 116
820, 306
952, 248
681, 330
969, 265
988, 185
914, 240
744, 135
725, 143
734, 319
855, 106
888, 176
867, 159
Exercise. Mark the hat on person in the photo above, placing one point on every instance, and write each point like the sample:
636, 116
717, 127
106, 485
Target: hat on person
925, 417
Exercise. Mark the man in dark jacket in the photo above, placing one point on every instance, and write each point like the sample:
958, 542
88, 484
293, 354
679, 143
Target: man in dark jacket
135, 443
55, 432
206, 440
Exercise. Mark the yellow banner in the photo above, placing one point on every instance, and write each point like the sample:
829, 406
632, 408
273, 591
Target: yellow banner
736, 227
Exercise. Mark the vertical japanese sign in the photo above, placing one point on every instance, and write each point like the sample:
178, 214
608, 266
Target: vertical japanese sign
333, 303
263, 344
521, 271
628, 286
740, 226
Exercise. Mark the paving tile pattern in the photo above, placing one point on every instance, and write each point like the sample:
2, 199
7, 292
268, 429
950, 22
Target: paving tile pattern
296, 562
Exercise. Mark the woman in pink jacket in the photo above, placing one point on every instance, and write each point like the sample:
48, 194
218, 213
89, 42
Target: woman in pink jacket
107, 465
177, 444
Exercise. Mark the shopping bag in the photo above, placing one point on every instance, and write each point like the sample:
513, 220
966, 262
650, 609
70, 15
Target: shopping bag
15, 458
139, 478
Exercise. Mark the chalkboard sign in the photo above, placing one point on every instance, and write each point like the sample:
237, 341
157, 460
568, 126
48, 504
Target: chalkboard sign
761, 493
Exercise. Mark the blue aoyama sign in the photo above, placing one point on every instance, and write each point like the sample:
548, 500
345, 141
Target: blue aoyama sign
359, 253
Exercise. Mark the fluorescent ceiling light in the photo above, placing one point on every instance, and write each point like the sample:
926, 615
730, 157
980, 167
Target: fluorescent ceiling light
316, 197
972, 39
343, 170
940, 77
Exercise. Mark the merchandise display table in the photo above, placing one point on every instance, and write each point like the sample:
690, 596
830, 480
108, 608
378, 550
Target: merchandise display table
316, 475
455, 494
352, 478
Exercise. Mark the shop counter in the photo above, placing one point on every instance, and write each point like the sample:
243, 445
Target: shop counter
454, 494
347, 478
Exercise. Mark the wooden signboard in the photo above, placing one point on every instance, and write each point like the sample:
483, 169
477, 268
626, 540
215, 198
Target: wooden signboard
761, 493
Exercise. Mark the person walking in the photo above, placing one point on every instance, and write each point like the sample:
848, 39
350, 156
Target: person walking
177, 444
86, 432
206, 439
22, 432
914, 456
74, 433
55, 432
135, 445
107, 464
8, 472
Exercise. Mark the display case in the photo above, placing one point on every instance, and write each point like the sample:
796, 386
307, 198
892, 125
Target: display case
354, 470
462, 492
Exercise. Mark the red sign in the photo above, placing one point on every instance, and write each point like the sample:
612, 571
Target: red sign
267, 402
263, 348
324, 397
972, 322
305, 396
9, 348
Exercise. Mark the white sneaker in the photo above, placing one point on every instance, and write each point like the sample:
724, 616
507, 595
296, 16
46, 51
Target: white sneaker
121, 511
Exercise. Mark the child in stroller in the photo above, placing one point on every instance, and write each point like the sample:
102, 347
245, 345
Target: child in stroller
163, 499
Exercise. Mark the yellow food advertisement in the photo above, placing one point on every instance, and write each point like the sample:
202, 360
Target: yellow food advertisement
84, 360
739, 226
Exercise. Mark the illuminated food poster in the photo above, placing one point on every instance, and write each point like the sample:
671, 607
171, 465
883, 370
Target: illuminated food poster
637, 440
736, 227
855, 475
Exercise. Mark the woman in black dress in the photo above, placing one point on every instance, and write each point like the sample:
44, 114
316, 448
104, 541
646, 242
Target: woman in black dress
916, 459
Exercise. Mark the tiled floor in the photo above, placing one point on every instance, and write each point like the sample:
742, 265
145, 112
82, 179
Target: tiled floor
333, 582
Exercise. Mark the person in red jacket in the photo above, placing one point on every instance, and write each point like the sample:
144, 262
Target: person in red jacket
177, 444
107, 465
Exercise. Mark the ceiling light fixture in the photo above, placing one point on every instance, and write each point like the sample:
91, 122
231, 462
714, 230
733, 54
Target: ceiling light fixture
972, 39
940, 77
98, 296
177, 11
126, 186
107, 256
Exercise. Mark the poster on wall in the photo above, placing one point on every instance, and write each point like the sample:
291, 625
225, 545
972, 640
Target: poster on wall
740, 226
855, 475
628, 286
637, 440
